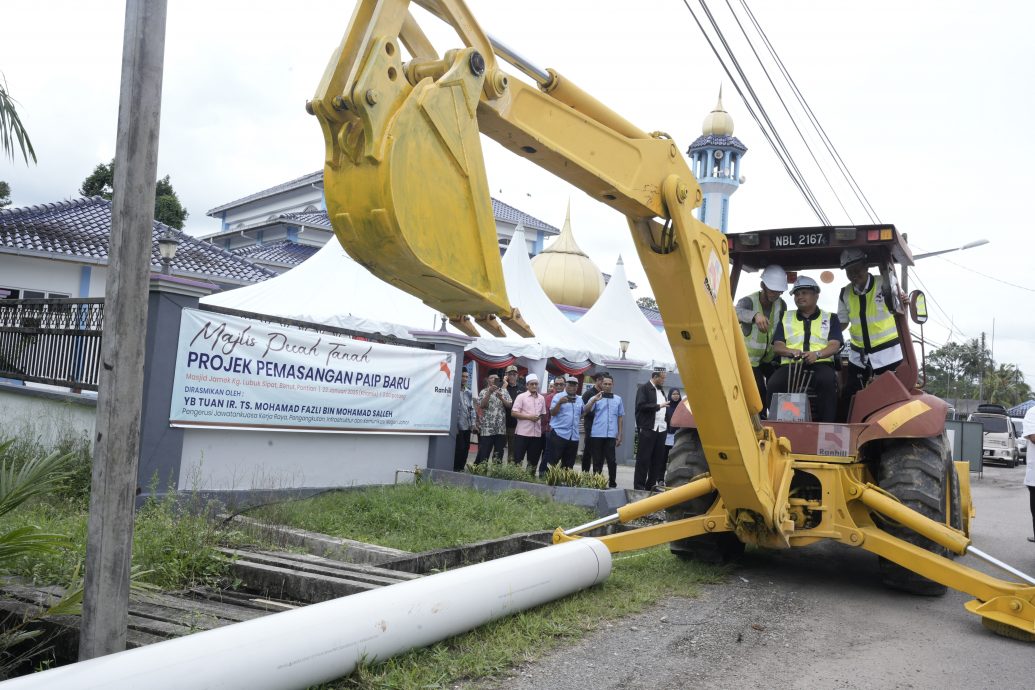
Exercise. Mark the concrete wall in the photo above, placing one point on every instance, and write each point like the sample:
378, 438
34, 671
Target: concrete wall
223, 460
46, 416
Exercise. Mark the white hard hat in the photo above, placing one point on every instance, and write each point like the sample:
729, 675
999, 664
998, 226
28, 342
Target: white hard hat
775, 278
852, 255
804, 282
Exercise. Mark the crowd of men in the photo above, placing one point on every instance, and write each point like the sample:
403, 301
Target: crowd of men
544, 426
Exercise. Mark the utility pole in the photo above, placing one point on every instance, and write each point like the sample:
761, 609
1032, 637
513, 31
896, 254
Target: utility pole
981, 369
120, 390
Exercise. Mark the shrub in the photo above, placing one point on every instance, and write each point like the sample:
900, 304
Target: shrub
559, 476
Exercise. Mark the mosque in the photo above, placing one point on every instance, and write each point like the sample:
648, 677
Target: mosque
574, 282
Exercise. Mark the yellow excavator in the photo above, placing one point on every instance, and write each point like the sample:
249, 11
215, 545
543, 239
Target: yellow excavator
407, 195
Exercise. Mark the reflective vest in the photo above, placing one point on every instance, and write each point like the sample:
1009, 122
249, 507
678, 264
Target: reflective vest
872, 324
759, 344
794, 333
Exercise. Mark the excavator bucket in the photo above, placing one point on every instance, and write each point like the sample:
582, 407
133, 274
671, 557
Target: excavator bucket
405, 182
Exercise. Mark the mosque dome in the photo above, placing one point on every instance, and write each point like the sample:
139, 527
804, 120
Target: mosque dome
565, 273
718, 121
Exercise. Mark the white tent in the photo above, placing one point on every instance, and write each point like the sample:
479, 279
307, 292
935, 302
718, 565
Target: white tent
615, 316
332, 289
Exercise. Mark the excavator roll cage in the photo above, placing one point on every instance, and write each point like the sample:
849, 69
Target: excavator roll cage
407, 195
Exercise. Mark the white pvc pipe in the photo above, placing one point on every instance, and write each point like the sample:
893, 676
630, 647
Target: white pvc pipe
318, 643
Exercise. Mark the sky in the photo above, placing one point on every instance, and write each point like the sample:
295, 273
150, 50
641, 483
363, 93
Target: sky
928, 104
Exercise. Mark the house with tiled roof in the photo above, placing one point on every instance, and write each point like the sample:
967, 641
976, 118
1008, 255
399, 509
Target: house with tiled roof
61, 250
282, 226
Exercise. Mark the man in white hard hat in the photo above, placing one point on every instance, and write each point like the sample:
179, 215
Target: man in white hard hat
759, 313
863, 307
808, 333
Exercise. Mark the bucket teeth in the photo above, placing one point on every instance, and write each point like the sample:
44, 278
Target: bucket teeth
517, 324
490, 323
462, 323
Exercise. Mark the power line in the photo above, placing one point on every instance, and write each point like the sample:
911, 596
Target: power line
985, 275
831, 149
787, 110
951, 328
762, 110
722, 63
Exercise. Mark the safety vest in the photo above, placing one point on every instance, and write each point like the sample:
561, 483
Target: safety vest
872, 324
794, 333
759, 344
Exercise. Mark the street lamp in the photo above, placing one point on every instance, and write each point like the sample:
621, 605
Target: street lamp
623, 347
167, 244
968, 245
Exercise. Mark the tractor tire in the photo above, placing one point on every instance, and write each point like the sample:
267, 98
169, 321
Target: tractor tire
919, 473
685, 461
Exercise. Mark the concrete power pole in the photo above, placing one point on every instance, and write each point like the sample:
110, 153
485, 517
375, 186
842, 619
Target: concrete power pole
117, 439
981, 370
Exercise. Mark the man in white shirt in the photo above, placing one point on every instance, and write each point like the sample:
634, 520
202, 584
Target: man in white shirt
1028, 429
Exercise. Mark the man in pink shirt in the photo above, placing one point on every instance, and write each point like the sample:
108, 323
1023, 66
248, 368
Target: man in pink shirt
528, 409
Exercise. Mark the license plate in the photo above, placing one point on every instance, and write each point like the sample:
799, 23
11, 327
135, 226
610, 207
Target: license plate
789, 240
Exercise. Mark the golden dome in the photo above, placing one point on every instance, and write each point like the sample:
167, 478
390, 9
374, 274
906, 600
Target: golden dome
718, 121
566, 274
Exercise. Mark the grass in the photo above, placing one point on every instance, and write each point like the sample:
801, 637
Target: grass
422, 516
175, 545
427, 516
637, 581
172, 544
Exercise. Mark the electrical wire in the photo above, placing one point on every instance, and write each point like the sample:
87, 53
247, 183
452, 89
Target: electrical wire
787, 110
831, 149
985, 275
797, 183
951, 328
762, 110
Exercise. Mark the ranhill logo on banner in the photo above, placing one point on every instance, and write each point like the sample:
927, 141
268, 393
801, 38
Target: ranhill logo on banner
237, 373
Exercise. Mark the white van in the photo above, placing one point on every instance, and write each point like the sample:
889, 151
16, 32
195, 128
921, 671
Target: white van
999, 442
1022, 443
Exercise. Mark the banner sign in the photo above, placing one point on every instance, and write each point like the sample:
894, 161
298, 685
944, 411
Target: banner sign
235, 373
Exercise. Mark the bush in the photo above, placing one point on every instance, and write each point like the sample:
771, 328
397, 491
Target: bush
502, 470
559, 476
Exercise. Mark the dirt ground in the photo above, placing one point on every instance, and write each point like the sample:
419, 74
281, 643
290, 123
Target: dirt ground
816, 617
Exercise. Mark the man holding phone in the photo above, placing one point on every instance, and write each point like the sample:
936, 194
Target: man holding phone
564, 423
605, 431
494, 403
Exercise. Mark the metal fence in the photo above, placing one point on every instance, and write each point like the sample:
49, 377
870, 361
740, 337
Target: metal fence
53, 341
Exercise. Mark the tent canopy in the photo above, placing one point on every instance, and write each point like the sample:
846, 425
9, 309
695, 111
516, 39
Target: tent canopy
615, 316
331, 288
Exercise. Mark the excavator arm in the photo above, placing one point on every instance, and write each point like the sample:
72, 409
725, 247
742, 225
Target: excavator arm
407, 195
408, 198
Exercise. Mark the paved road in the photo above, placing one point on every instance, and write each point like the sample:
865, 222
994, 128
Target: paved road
812, 618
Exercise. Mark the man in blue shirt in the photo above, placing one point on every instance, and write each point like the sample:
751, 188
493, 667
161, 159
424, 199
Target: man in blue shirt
565, 413
605, 433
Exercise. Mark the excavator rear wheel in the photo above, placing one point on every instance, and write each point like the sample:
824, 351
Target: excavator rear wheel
686, 461
920, 474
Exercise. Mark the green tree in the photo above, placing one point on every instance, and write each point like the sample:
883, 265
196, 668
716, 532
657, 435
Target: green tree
5, 194
967, 371
12, 131
647, 303
1006, 385
168, 208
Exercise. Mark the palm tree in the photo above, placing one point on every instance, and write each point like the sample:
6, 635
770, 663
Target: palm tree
1006, 385
12, 131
